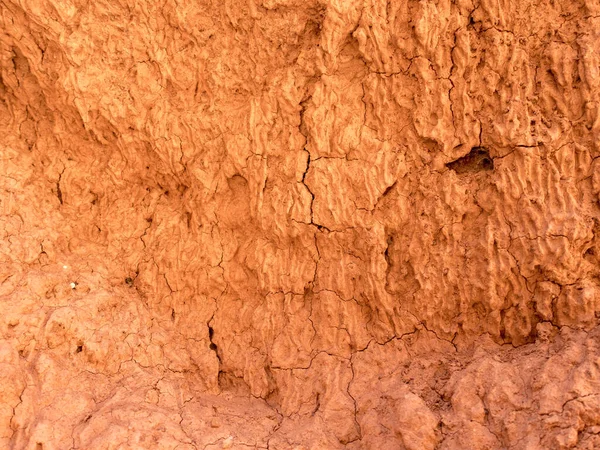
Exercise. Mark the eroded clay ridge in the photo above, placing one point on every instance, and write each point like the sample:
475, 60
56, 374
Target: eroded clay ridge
299, 224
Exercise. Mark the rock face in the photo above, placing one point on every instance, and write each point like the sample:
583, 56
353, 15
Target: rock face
294, 224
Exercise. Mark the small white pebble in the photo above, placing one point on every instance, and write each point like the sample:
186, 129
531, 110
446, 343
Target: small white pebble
73, 285
228, 443
65, 267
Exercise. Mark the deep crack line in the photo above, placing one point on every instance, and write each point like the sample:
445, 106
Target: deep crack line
58, 189
304, 132
312, 195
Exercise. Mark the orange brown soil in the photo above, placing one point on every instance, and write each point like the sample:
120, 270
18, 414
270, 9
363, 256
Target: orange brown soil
299, 224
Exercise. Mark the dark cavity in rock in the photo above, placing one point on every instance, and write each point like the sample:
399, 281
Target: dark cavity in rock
477, 160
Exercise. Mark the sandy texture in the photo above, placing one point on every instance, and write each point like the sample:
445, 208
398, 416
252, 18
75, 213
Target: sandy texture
299, 224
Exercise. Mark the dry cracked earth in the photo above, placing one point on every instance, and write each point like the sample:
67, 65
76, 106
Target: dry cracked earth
299, 224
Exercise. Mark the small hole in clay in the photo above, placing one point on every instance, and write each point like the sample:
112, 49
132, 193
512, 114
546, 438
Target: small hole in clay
487, 163
477, 160
211, 333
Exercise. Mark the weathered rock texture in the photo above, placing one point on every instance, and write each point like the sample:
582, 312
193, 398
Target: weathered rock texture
299, 224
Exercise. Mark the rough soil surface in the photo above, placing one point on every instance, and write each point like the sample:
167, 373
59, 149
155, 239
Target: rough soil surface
299, 224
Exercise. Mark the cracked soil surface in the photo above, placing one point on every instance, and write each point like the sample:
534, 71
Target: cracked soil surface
300, 224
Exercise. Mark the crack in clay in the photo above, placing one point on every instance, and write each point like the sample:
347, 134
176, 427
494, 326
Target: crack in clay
403, 297
58, 189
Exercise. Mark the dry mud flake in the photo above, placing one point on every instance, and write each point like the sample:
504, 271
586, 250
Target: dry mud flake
287, 224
